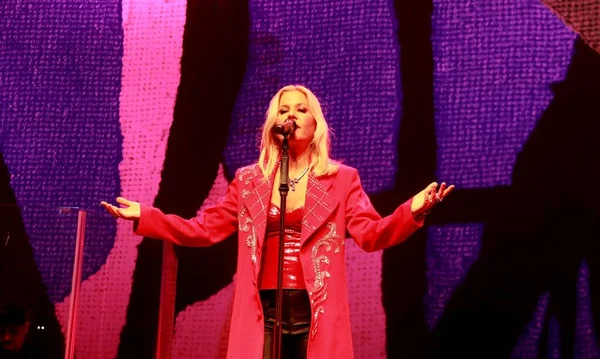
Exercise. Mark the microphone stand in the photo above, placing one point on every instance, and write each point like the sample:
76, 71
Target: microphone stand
283, 191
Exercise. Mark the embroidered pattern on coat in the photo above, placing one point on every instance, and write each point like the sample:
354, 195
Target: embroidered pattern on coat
245, 225
247, 174
245, 193
253, 213
320, 259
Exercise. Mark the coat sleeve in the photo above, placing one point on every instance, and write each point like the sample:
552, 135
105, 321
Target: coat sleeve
212, 225
365, 225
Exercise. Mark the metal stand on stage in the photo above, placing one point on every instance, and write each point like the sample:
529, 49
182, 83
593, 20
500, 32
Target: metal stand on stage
283, 191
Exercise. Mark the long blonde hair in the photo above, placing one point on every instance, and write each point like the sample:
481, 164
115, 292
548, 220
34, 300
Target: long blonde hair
320, 163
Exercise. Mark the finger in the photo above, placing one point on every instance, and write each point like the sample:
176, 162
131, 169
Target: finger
433, 195
440, 194
107, 207
124, 201
448, 190
442, 188
116, 211
111, 210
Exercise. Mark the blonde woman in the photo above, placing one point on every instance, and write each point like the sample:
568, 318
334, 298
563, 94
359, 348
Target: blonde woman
325, 201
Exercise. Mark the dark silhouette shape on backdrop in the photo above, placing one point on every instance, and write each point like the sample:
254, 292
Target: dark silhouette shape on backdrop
213, 62
21, 284
404, 281
536, 241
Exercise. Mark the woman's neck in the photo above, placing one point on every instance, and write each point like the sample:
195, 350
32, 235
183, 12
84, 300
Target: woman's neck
299, 160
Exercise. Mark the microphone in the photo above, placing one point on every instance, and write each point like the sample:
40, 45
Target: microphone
286, 128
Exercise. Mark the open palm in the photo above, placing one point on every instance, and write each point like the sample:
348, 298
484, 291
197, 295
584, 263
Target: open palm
425, 200
129, 210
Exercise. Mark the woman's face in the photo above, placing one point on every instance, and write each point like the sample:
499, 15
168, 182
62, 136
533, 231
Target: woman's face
293, 105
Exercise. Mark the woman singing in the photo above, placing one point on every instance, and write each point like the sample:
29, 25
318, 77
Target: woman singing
325, 201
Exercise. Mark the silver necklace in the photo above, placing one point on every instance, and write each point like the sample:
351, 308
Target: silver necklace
292, 182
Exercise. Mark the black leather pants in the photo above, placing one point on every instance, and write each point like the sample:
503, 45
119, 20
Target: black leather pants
295, 323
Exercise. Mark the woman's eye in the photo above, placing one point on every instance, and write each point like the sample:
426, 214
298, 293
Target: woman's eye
282, 111
303, 110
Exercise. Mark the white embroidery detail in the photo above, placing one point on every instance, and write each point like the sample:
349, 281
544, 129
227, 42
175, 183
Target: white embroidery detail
319, 257
245, 225
245, 193
247, 174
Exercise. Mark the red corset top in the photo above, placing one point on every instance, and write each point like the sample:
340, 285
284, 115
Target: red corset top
292, 268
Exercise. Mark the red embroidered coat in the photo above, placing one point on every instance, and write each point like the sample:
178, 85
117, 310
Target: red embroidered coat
334, 204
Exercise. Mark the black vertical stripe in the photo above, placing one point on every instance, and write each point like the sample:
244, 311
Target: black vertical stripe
404, 281
213, 63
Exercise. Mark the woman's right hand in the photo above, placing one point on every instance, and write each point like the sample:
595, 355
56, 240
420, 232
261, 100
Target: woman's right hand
129, 210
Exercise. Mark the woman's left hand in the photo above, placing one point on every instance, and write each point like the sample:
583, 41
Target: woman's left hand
428, 198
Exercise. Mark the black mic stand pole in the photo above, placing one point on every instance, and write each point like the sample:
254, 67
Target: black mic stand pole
283, 191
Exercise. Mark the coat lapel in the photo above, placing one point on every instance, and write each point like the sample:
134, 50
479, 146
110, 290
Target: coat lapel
256, 194
318, 206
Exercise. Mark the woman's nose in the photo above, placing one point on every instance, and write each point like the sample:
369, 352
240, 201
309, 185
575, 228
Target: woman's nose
292, 116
